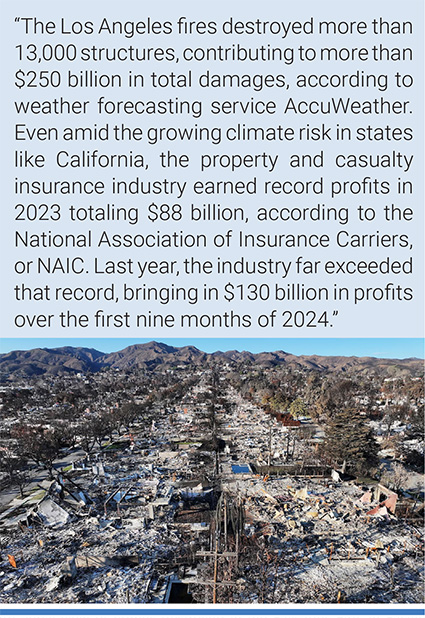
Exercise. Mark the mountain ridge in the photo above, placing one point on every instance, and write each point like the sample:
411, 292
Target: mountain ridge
147, 356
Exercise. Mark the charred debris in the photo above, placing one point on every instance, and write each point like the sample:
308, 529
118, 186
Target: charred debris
209, 490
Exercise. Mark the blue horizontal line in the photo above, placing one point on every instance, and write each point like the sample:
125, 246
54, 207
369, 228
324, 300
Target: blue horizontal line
207, 612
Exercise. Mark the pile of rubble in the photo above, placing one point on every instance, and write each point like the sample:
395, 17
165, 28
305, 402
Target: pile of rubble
168, 514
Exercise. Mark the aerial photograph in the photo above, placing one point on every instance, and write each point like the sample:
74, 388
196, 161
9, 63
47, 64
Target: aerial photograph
239, 471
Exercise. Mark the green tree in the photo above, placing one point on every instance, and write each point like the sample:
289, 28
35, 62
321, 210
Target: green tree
276, 401
350, 443
297, 408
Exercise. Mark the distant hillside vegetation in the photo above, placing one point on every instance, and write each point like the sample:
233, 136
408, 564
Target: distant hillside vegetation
146, 356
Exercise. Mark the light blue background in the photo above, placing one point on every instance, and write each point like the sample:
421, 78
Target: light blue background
372, 319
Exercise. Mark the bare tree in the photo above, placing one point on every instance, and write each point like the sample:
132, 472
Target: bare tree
15, 468
40, 444
396, 478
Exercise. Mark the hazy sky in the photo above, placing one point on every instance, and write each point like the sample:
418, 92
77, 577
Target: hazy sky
381, 348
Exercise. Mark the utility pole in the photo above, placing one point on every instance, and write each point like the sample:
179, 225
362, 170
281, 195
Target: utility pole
270, 442
215, 571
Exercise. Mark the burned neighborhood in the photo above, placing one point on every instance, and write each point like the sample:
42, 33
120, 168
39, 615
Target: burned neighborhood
159, 474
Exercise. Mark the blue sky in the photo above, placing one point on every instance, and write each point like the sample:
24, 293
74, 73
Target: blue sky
381, 348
